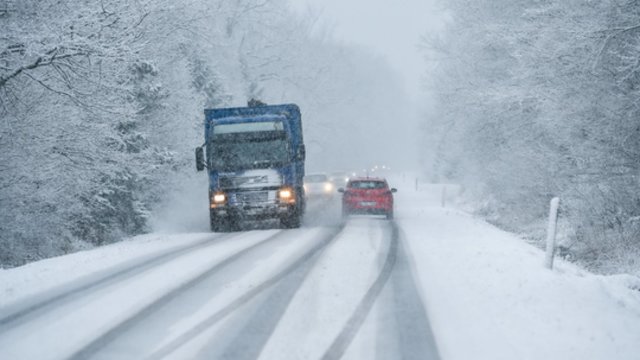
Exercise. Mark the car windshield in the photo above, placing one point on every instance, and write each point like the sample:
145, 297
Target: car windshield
367, 184
315, 178
248, 150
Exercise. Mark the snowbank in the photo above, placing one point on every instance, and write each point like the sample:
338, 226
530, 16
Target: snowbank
489, 297
41, 276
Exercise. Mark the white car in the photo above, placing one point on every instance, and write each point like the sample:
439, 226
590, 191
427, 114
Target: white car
318, 186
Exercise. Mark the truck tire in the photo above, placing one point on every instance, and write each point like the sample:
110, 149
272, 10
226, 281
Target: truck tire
215, 226
222, 224
292, 220
218, 224
233, 223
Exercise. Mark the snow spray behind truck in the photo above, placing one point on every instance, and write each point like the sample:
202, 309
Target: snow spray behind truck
255, 159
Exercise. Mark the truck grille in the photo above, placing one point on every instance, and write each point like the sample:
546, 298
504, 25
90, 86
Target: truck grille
250, 179
252, 197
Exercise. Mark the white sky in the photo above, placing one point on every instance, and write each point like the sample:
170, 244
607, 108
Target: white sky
391, 28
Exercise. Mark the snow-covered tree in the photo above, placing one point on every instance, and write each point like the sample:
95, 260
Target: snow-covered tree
536, 98
101, 106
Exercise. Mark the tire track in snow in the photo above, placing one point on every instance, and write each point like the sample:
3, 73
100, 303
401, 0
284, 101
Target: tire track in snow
311, 254
251, 337
413, 330
340, 344
65, 293
110, 335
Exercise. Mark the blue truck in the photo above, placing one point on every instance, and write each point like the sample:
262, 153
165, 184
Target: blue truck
255, 160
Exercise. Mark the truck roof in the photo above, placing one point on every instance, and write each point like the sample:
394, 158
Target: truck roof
289, 113
289, 110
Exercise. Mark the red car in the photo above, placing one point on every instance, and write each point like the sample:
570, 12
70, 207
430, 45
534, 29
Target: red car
367, 196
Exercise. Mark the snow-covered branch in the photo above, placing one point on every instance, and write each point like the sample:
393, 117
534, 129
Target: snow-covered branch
49, 58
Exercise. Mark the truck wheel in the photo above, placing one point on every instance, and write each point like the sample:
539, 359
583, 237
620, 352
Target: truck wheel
233, 223
217, 224
291, 221
390, 214
220, 224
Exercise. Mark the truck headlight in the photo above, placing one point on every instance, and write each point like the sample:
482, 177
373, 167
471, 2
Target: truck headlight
328, 187
218, 198
286, 195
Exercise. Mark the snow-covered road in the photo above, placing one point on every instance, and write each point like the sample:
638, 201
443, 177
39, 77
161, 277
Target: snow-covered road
315, 292
435, 283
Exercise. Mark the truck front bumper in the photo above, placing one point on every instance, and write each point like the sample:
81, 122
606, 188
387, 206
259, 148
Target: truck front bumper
253, 212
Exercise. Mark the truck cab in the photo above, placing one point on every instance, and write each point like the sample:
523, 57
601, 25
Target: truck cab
255, 161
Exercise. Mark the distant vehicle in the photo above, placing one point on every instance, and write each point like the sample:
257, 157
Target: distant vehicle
367, 196
318, 186
339, 179
255, 163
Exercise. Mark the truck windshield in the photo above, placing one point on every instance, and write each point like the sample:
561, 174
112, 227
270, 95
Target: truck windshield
249, 150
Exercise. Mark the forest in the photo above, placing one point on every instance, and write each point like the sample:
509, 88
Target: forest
537, 99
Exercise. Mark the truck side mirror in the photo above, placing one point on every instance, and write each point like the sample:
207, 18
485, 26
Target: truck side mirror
301, 153
199, 158
394, 190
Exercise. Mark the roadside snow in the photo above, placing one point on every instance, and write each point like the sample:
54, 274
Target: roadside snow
488, 295
41, 276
